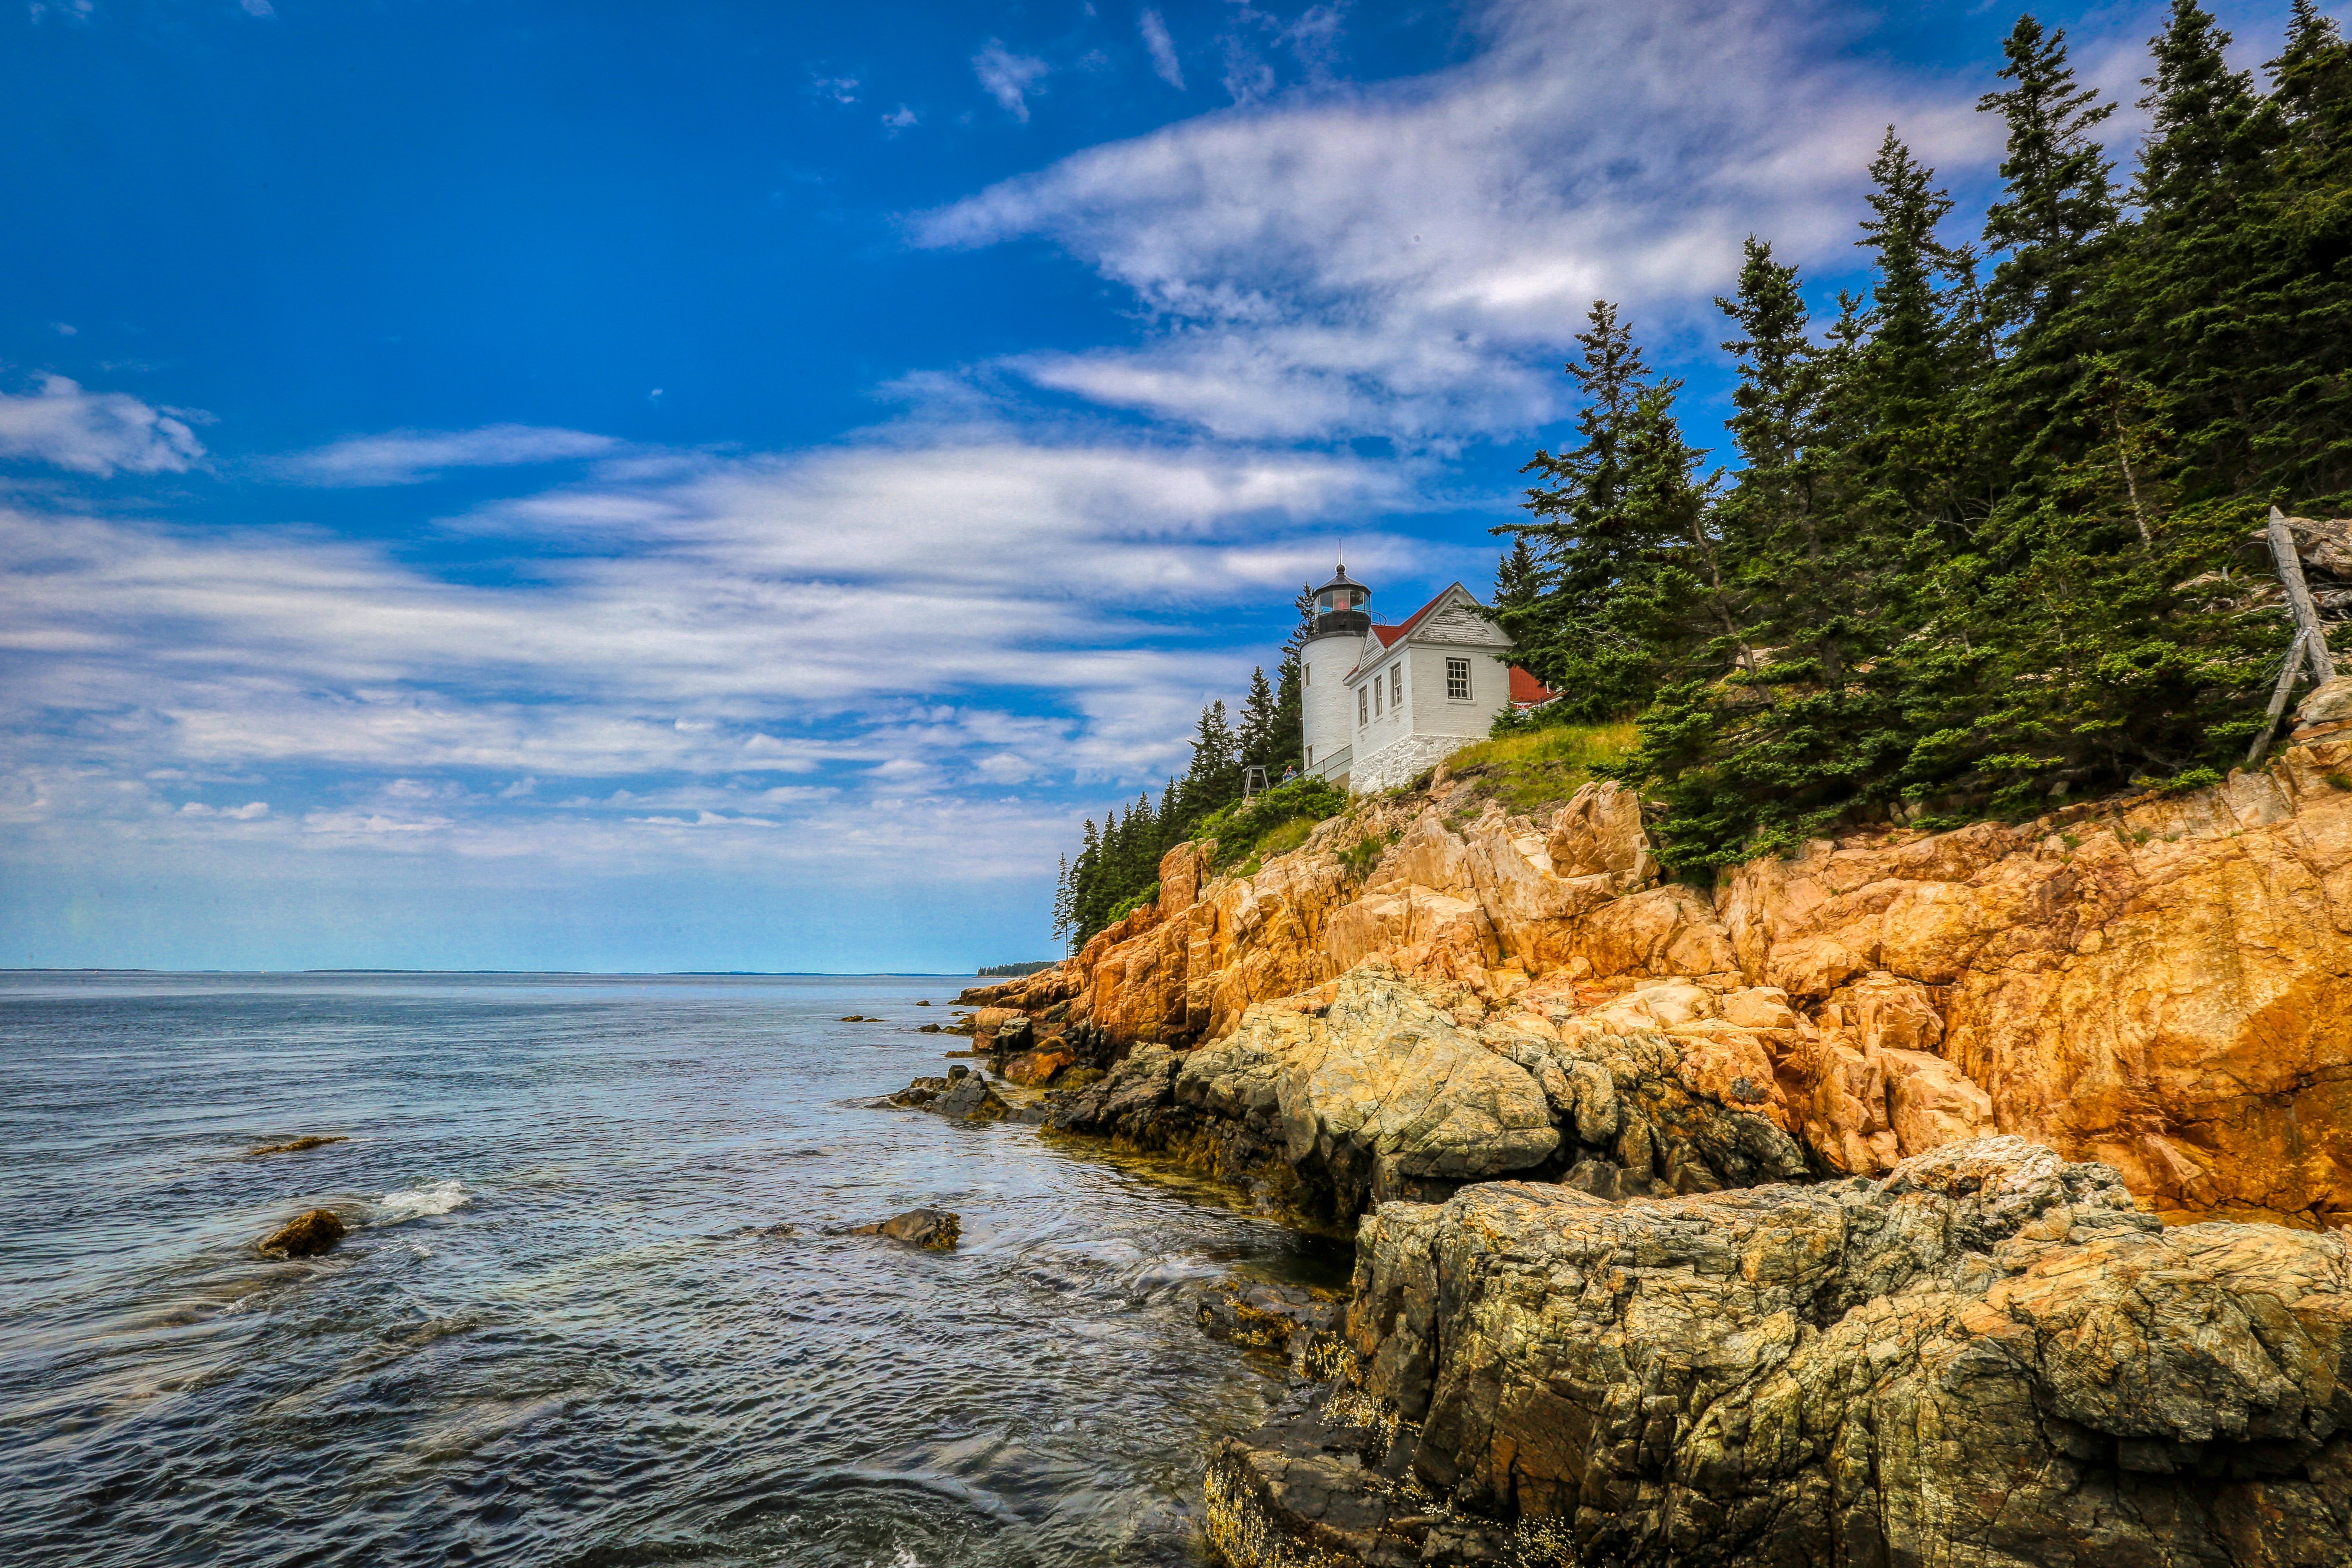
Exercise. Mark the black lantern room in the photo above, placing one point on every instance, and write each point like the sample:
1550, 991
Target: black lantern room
1339, 606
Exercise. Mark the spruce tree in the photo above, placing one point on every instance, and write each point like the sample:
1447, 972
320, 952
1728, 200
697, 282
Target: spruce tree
1613, 516
1519, 580
1259, 737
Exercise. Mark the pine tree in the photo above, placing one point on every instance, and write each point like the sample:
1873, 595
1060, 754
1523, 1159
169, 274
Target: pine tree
1519, 580
2190, 283
1615, 516
1259, 737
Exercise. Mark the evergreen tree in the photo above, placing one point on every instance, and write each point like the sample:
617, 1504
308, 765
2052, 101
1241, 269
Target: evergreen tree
2191, 282
1260, 737
1519, 580
1615, 517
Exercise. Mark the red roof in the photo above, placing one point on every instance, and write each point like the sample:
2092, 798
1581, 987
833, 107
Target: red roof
1388, 634
1526, 690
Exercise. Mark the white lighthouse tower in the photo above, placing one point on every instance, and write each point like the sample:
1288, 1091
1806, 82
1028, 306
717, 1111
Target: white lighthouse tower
1327, 717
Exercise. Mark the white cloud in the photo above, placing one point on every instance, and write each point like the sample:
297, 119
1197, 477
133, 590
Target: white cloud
1009, 78
861, 621
257, 7
1164, 63
64, 329
899, 119
96, 432
248, 812
840, 88
1409, 259
413, 456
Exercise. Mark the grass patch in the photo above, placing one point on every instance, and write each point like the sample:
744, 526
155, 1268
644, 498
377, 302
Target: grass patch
1538, 767
1274, 823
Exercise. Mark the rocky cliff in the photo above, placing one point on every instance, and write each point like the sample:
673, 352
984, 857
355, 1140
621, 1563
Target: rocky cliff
2162, 984
1988, 1359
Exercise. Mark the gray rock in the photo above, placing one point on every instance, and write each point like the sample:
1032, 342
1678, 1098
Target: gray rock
1384, 1096
933, 1230
1987, 1360
1125, 1103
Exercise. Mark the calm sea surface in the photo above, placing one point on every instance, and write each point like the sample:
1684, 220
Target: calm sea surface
553, 1336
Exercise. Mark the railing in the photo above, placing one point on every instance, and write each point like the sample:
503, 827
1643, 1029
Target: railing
1334, 767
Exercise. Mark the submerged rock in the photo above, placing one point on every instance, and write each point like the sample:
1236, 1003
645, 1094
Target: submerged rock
1288, 1319
1988, 1359
305, 1236
933, 1230
313, 1141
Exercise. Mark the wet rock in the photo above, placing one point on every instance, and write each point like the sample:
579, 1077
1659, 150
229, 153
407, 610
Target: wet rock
929, 1029
1284, 1319
305, 1236
1125, 1103
1319, 1485
933, 1230
970, 1098
1988, 1358
296, 1145
923, 1004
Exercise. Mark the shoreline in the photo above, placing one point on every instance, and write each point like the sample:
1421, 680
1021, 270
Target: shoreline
2031, 1360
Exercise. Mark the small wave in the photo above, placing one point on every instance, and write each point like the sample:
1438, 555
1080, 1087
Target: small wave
415, 1202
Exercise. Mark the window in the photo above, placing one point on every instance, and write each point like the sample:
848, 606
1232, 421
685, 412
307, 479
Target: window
1375, 699
1360, 701
1396, 687
1457, 679
1309, 675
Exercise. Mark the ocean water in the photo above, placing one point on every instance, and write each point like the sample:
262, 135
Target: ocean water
556, 1334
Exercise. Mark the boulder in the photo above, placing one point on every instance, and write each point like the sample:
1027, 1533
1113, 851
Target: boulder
1036, 1068
962, 1094
1385, 1094
305, 1236
933, 1230
1125, 1103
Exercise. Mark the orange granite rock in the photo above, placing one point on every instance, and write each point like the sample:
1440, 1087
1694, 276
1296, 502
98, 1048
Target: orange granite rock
2161, 983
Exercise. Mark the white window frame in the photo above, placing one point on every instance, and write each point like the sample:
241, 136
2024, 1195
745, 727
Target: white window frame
1363, 709
1458, 673
1396, 687
1376, 696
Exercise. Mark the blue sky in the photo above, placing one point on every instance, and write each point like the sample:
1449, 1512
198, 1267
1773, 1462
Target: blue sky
500, 485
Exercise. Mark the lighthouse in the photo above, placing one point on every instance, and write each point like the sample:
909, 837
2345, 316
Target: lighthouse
1326, 714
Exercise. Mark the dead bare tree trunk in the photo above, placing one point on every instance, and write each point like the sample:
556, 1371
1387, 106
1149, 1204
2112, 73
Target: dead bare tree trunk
2298, 596
2278, 699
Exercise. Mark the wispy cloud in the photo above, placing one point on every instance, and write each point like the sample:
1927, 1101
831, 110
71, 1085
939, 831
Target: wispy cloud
413, 456
96, 432
1009, 78
1164, 63
781, 637
1408, 259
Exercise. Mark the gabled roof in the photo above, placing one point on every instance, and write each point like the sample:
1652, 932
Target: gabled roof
1388, 634
1526, 690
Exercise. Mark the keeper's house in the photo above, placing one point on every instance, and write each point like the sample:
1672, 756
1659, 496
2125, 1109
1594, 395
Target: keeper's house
1383, 704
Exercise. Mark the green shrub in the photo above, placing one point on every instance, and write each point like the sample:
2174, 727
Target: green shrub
1271, 823
1126, 907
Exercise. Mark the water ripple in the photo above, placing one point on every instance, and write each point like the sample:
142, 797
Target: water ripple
562, 1331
